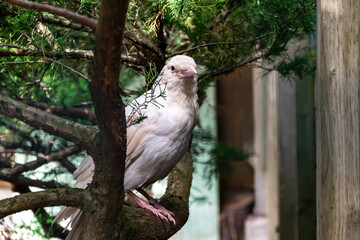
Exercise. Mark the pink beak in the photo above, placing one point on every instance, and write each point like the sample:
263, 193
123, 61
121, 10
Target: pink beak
189, 72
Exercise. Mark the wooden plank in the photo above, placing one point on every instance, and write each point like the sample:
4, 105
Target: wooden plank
338, 159
270, 140
288, 206
306, 157
235, 125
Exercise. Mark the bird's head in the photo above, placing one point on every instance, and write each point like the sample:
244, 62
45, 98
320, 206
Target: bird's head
179, 68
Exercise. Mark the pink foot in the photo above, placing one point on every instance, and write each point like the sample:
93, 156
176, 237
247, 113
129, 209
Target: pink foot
165, 212
157, 209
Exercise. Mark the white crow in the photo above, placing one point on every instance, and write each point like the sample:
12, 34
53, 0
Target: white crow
165, 116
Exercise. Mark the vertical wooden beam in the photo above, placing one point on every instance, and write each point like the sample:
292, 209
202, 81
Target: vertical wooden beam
306, 157
271, 154
288, 205
235, 125
338, 158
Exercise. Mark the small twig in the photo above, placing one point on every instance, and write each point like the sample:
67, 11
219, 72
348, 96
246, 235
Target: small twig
229, 69
83, 104
71, 69
67, 164
20, 168
24, 62
31, 182
200, 46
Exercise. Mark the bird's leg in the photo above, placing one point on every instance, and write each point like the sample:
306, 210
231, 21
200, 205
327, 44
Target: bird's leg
155, 203
151, 200
155, 208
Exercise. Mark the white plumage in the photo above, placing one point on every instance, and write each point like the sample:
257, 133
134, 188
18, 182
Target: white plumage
156, 144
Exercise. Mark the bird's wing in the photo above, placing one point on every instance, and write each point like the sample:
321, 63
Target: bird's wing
134, 136
137, 132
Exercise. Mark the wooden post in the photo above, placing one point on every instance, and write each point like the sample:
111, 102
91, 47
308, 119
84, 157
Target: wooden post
288, 204
338, 162
306, 157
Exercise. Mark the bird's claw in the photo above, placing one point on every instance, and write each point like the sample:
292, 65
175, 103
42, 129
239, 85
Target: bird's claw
166, 213
161, 212
156, 209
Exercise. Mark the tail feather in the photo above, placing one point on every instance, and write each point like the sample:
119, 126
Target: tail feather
76, 226
83, 176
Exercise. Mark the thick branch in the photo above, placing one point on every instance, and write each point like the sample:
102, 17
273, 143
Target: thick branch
141, 224
85, 21
20, 168
69, 130
52, 197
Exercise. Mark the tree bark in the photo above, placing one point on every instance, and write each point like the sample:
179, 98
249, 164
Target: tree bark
338, 121
110, 153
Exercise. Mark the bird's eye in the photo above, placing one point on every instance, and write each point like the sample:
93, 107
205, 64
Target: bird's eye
172, 68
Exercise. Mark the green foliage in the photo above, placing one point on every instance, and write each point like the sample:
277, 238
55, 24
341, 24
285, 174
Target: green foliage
299, 66
226, 33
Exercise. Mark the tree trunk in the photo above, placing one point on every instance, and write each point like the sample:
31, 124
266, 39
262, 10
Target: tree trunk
338, 162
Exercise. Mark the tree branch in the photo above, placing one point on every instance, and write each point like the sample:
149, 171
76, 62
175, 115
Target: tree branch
69, 130
23, 134
63, 23
31, 182
231, 68
85, 21
129, 61
53, 197
35, 146
200, 46
42, 216
140, 41
20, 168
68, 54
68, 165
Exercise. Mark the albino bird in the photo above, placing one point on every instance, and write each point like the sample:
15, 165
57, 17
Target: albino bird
166, 116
